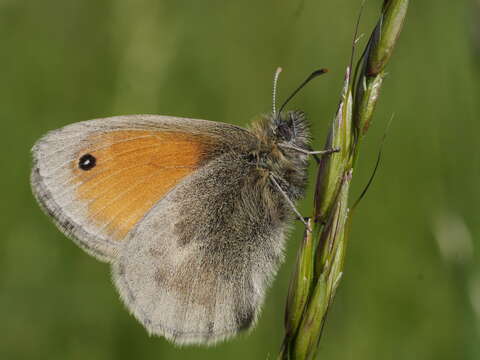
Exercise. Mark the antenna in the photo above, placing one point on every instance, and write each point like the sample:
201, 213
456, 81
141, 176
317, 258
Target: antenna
275, 81
312, 76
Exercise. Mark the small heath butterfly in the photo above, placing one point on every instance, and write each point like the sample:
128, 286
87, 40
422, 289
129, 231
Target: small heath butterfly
191, 214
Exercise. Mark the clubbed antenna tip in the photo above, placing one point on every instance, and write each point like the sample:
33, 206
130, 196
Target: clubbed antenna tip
312, 76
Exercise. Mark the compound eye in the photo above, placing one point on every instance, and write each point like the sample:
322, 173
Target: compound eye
284, 130
251, 158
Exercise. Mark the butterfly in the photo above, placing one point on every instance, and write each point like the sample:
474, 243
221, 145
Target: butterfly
191, 214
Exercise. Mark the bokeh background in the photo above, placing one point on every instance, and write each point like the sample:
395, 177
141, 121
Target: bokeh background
411, 289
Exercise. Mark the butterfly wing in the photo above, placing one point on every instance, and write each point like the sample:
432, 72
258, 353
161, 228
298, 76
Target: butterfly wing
98, 178
193, 230
195, 269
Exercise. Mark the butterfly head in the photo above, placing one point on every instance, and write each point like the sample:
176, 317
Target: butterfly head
284, 141
290, 128
279, 138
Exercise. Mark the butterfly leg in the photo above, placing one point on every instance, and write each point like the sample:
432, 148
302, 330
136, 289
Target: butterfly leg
311, 152
323, 152
290, 202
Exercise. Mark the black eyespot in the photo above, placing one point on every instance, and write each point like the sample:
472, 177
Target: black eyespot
87, 162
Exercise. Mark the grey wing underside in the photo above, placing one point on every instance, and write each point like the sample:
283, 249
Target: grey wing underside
196, 268
51, 173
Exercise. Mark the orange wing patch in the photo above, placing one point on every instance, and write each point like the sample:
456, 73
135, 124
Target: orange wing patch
132, 170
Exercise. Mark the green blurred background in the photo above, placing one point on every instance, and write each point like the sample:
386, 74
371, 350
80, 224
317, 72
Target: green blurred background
411, 289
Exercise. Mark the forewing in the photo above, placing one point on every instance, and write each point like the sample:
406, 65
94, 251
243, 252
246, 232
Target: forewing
138, 160
195, 269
